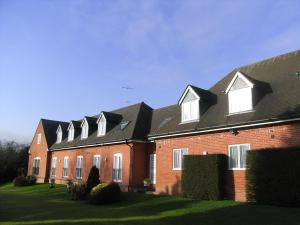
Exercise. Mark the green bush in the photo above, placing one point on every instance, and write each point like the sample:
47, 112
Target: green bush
93, 179
105, 193
273, 176
78, 191
204, 176
24, 181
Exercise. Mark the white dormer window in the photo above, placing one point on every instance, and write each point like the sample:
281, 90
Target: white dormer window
59, 135
190, 109
101, 125
84, 129
71, 132
239, 94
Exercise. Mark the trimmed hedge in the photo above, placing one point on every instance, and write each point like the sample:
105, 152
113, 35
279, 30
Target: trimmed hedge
204, 176
105, 193
273, 176
93, 179
24, 181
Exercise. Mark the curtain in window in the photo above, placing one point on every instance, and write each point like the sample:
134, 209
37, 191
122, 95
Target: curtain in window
233, 157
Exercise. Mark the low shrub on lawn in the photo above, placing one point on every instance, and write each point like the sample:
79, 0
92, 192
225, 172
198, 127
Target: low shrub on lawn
105, 193
93, 179
24, 181
78, 191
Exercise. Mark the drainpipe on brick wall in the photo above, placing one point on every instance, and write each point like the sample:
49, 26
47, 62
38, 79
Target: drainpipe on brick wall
130, 164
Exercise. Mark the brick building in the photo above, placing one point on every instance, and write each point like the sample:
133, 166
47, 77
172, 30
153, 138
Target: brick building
255, 106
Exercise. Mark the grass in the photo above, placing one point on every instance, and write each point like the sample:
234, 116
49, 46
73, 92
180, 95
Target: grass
40, 205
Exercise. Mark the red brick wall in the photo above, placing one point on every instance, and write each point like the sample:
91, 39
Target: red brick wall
39, 150
168, 180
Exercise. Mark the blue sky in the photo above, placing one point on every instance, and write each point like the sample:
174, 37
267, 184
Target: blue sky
66, 59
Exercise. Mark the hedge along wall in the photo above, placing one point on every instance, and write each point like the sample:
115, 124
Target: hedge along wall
273, 176
203, 176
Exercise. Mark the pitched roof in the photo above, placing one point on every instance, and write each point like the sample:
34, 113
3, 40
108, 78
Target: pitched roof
50, 127
135, 114
276, 82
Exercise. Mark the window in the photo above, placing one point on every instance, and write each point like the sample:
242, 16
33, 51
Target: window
85, 130
39, 138
117, 168
239, 94
59, 135
237, 156
36, 166
97, 161
71, 133
152, 167
53, 166
101, 125
65, 166
79, 164
101, 128
190, 111
177, 158
240, 100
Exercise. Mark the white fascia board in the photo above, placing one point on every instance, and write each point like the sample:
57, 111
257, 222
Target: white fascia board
189, 88
239, 75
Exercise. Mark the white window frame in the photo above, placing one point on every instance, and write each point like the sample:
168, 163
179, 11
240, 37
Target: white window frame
66, 167
35, 159
54, 166
239, 158
180, 159
71, 132
152, 168
117, 167
39, 138
84, 129
99, 161
193, 116
233, 103
79, 157
59, 135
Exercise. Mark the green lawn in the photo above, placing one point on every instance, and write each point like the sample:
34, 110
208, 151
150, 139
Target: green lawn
40, 205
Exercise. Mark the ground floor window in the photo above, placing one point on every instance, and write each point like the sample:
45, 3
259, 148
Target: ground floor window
65, 166
178, 158
117, 168
79, 165
36, 166
152, 168
237, 156
53, 166
97, 161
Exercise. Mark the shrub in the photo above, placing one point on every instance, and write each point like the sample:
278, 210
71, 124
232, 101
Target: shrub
78, 191
273, 175
93, 179
24, 181
105, 193
204, 176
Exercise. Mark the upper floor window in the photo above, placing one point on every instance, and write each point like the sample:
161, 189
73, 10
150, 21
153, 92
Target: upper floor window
71, 132
59, 135
101, 125
84, 129
239, 94
178, 158
237, 156
39, 138
190, 109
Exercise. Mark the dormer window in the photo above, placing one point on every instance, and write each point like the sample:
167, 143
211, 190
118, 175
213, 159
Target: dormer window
190, 108
59, 135
84, 129
101, 125
239, 94
71, 132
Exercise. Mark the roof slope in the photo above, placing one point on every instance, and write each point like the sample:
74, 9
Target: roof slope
131, 114
277, 82
50, 127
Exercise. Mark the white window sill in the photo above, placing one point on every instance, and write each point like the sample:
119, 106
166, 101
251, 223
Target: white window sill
237, 169
189, 121
117, 181
177, 169
242, 112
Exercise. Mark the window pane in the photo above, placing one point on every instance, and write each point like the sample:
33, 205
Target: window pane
243, 153
194, 110
176, 159
233, 157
